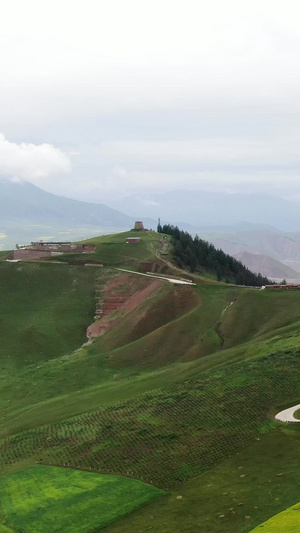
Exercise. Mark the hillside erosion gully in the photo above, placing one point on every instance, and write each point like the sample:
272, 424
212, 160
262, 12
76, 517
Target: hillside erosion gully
121, 293
217, 325
125, 292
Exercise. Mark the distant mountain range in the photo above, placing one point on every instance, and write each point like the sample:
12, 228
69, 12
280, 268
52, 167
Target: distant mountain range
24, 201
279, 245
28, 213
260, 230
206, 209
268, 266
272, 253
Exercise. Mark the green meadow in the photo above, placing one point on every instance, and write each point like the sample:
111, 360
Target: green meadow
179, 391
47, 499
44, 311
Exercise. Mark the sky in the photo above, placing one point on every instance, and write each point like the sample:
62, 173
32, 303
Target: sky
100, 100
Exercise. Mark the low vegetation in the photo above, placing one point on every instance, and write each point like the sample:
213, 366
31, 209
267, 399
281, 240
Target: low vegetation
44, 311
287, 521
233, 496
46, 499
179, 390
168, 435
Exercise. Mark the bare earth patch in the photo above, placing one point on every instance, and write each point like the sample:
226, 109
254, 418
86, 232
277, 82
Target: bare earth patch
123, 293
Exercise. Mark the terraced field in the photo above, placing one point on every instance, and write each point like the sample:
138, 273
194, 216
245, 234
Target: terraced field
168, 435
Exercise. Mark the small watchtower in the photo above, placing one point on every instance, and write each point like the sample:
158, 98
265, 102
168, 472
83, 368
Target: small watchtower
139, 226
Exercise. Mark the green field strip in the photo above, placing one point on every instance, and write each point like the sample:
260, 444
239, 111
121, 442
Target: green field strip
6, 529
49, 499
287, 521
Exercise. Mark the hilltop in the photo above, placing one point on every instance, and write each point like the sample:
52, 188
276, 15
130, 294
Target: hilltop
120, 372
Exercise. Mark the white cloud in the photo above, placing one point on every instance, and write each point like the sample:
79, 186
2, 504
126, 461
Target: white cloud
31, 162
224, 151
60, 60
173, 92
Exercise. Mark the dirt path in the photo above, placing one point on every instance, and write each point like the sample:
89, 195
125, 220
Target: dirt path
217, 325
287, 415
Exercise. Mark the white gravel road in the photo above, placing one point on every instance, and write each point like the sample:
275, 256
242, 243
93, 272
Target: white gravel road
287, 415
171, 280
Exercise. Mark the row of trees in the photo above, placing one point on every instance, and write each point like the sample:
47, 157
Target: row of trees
196, 254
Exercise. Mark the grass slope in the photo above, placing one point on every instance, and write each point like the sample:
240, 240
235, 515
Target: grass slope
47, 499
234, 496
184, 346
5, 254
176, 384
175, 434
44, 311
287, 521
171, 434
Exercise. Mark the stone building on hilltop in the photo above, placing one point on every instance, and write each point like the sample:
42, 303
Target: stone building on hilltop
139, 226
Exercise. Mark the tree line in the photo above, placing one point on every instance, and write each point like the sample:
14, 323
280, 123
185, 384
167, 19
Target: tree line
196, 254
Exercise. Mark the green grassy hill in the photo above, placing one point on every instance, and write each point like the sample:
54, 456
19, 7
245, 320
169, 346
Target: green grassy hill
114, 251
176, 385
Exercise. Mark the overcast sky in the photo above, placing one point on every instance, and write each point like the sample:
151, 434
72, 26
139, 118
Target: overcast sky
102, 99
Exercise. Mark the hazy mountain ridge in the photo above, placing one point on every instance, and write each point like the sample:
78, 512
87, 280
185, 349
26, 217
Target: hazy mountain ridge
29, 213
203, 208
25, 201
273, 253
267, 266
275, 244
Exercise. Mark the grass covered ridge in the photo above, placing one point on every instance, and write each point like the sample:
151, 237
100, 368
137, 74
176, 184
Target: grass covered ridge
48, 499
